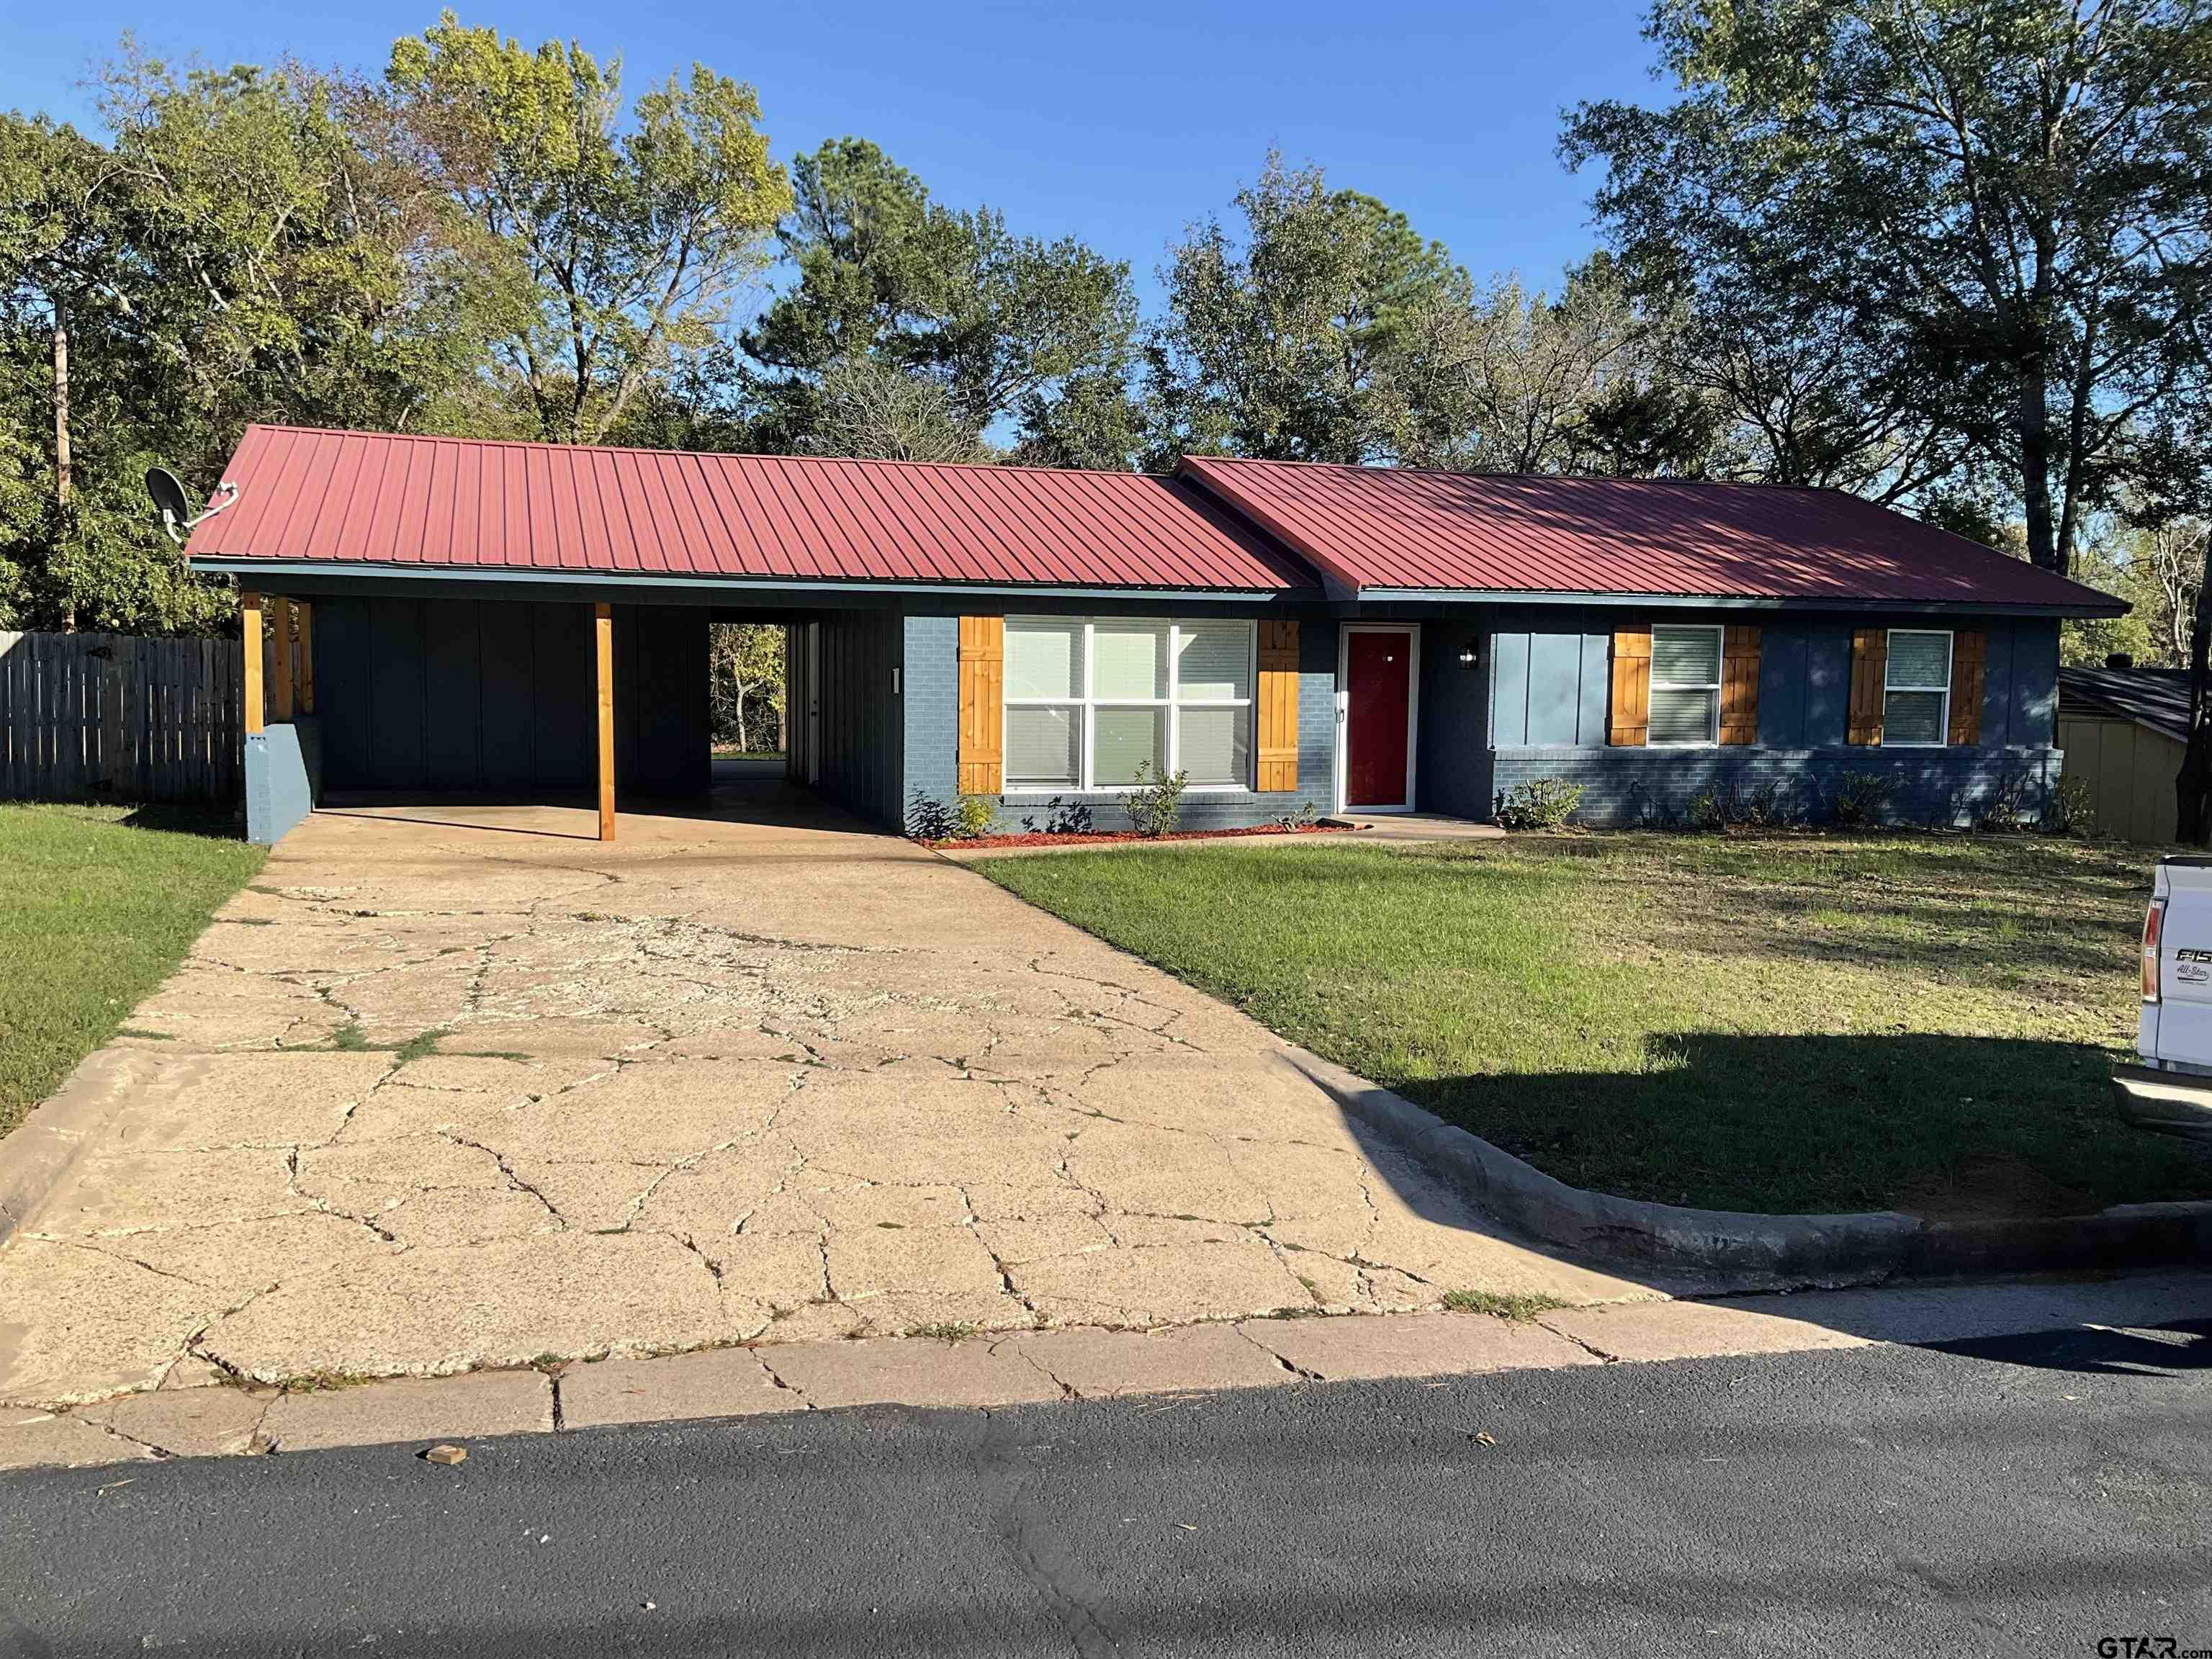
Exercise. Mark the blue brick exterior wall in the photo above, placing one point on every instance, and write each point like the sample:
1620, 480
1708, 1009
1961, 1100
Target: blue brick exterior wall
1951, 786
932, 709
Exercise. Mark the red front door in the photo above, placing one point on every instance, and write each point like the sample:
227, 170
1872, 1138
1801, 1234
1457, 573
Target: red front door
1378, 684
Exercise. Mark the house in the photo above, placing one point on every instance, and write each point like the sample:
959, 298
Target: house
462, 617
2123, 730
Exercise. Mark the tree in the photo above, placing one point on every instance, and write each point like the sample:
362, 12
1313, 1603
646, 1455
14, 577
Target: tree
1287, 341
2173, 554
1509, 381
614, 246
233, 252
746, 672
55, 241
1996, 210
1006, 327
870, 408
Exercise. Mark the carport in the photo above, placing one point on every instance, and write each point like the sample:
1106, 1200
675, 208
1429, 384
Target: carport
441, 619
432, 621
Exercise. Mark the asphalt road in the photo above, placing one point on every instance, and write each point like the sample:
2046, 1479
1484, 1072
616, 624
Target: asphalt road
2027, 1495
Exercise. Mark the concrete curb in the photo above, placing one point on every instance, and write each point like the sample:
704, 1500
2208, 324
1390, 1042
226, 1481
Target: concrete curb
36, 1159
1780, 1251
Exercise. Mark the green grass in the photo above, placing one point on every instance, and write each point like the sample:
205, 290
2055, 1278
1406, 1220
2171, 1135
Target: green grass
1792, 1023
1517, 1306
97, 904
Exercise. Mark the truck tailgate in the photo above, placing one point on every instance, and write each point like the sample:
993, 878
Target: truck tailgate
2177, 1029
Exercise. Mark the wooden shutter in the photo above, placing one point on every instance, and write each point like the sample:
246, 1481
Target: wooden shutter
1740, 685
1869, 673
1970, 650
982, 765
1278, 703
1630, 715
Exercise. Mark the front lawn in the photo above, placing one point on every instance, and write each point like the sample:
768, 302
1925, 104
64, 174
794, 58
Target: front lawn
1923, 1023
97, 904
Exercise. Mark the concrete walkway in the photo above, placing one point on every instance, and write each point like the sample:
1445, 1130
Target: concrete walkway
454, 1091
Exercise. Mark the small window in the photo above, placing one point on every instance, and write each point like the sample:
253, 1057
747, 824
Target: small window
1915, 701
1685, 686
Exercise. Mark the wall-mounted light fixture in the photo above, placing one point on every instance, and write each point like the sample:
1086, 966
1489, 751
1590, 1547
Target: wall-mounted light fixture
1469, 656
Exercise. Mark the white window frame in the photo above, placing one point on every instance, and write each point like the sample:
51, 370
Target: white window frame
1720, 673
1888, 685
1088, 705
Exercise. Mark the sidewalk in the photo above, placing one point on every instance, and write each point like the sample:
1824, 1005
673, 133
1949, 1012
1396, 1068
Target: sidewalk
198, 1414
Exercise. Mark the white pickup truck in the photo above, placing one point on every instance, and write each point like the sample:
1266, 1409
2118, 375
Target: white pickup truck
2172, 1091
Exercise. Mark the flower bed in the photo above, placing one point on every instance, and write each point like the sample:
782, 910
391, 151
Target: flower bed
1108, 837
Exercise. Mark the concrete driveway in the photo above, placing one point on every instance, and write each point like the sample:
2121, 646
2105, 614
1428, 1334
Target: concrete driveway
436, 1096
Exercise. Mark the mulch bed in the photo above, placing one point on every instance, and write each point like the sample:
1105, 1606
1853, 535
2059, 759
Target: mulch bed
1103, 838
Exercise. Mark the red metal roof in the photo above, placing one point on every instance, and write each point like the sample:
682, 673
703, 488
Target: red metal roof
1372, 527
378, 501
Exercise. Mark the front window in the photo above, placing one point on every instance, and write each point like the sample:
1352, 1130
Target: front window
1685, 686
1089, 700
1915, 701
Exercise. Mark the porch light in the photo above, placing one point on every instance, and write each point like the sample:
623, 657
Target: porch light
1469, 656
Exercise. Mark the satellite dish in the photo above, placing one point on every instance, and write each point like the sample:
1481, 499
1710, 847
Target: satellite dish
176, 507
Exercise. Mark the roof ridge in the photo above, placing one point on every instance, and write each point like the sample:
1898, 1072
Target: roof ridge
709, 454
1394, 469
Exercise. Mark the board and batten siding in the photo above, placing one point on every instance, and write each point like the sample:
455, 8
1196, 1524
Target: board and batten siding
861, 723
2128, 770
119, 717
498, 697
1550, 686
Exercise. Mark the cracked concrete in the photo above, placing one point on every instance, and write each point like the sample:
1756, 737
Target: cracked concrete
432, 1098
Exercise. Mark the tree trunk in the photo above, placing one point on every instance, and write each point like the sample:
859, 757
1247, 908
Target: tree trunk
2035, 463
2033, 363
2192, 788
742, 746
62, 464
61, 405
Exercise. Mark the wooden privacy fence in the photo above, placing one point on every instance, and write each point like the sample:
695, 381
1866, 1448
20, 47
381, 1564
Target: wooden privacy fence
113, 717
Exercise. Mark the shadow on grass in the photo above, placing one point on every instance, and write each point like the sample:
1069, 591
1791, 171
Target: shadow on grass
188, 818
1947, 1127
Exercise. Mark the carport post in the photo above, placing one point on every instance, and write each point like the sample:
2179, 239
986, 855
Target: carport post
603, 630
249, 620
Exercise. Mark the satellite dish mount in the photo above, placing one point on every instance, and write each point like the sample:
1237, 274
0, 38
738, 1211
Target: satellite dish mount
177, 516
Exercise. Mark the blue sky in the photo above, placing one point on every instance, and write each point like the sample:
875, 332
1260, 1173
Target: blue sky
1119, 124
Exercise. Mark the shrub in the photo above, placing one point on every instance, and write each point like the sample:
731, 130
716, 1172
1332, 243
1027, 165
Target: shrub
1068, 820
1539, 804
1862, 798
1156, 802
2073, 809
968, 817
1724, 806
2007, 810
928, 818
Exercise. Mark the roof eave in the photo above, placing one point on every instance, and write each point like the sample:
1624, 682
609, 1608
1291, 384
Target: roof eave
268, 570
1733, 601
